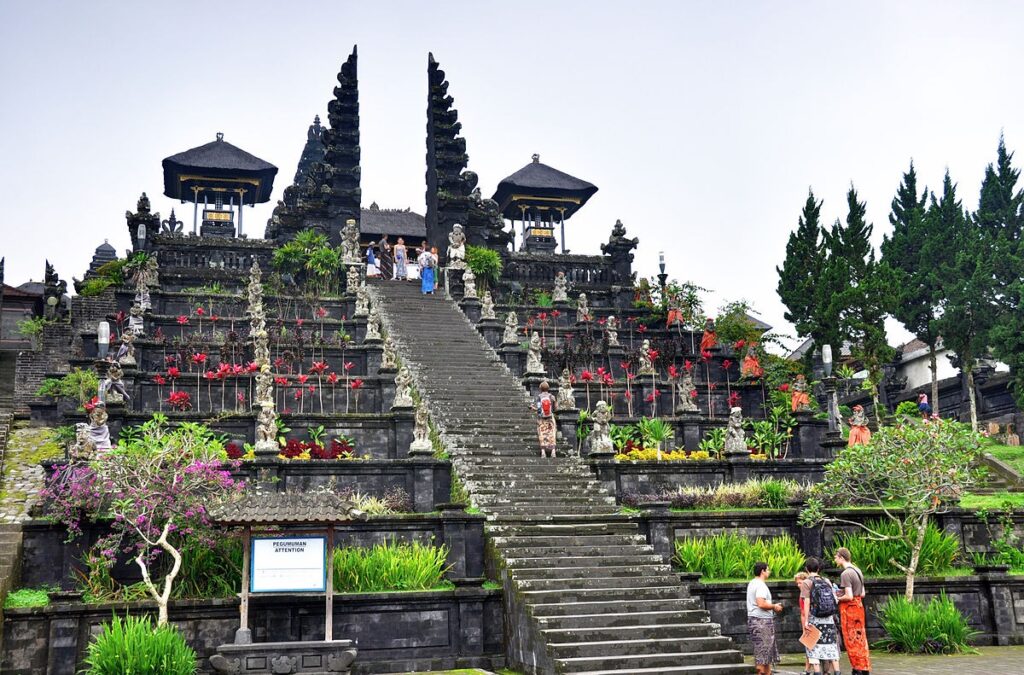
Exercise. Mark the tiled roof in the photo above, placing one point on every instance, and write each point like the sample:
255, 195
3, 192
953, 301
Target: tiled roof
395, 222
280, 508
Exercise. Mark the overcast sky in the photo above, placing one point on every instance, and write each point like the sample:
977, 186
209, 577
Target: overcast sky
703, 124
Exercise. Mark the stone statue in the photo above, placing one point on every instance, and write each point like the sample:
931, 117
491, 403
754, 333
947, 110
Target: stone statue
560, 293
145, 276
646, 365
136, 323
709, 340
421, 444
82, 449
266, 429
403, 389
99, 434
457, 248
511, 335
362, 300
800, 401
860, 434
487, 308
751, 365
686, 390
353, 278
600, 434
566, 396
389, 359
735, 437
126, 352
582, 310
112, 389
468, 284
534, 365
350, 243
373, 326
612, 331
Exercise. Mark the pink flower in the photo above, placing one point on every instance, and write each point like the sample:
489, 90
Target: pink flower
332, 378
693, 394
356, 384
200, 311
278, 362
348, 366
320, 312
159, 379
303, 378
673, 372
641, 328
318, 367
784, 386
252, 367
173, 372
198, 358
705, 355
726, 364
734, 399
281, 381
587, 376
241, 397
299, 322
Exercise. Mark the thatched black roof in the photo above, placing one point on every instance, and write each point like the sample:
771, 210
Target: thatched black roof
540, 180
394, 222
285, 508
218, 165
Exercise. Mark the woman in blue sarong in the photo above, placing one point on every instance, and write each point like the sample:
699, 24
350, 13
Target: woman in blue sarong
427, 263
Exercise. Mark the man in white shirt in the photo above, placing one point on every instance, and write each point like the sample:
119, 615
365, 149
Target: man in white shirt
761, 619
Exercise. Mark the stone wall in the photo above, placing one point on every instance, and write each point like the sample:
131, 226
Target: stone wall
32, 366
649, 478
396, 632
992, 601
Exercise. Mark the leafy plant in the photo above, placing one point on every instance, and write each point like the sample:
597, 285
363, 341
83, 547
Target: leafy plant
713, 442
933, 627
542, 298
845, 372
133, 645
29, 597
78, 384
93, 287
486, 265
751, 494
939, 551
907, 409
654, 432
405, 566
31, 328
732, 556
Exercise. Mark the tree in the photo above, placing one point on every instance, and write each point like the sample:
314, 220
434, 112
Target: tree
801, 270
156, 485
1000, 216
913, 254
910, 471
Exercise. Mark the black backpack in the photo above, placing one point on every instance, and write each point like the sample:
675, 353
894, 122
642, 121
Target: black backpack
823, 599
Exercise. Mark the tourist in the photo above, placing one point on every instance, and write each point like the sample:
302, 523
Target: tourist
761, 620
545, 405
799, 580
859, 432
400, 260
851, 613
427, 263
371, 262
923, 406
384, 261
817, 609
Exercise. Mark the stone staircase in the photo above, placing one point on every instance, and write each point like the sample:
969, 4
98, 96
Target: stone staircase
584, 592
10, 533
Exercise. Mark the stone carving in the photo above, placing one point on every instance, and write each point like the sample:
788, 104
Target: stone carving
487, 307
389, 359
421, 444
511, 335
99, 434
136, 323
341, 663
373, 326
686, 390
54, 290
82, 449
468, 284
534, 366
403, 389
266, 419
172, 225
566, 396
362, 301
457, 248
801, 401
646, 365
612, 331
582, 309
222, 664
112, 389
560, 293
350, 243
600, 434
282, 665
735, 437
353, 278
126, 352
145, 277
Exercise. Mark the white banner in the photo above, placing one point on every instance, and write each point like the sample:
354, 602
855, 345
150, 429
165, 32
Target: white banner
288, 565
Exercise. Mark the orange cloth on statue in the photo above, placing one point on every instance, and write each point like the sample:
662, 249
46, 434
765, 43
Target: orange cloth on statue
800, 398
674, 316
751, 367
709, 340
859, 435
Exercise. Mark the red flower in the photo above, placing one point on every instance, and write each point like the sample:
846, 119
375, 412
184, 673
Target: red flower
784, 386
608, 380
673, 372
348, 366
318, 367
214, 318
299, 322
629, 396
630, 376
740, 344
601, 322
233, 451
641, 328
92, 403
332, 378
113, 338
653, 354
601, 371
726, 364
586, 376
555, 314
170, 359
543, 316
624, 365
320, 312
278, 362
238, 369
180, 400
303, 378
210, 375
298, 394
252, 367
281, 381
159, 379
650, 397
734, 399
705, 355
688, 364
200, 311
120, 317
241, 397
173, 372
357, 384
312, 389
693, 394
198, 358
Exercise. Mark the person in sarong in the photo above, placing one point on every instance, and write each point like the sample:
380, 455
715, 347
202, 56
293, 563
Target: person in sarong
546, 431
826, 651
428, 264
401, 260
859, 432
761, 613
851, 613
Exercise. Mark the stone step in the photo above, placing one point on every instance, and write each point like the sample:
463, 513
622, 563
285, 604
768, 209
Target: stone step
583, 562
614, 606
632, 636
564, 573
625, 619
501, 512
657, 580
567, 498
569, 540
575, 529
562, 595
719, 662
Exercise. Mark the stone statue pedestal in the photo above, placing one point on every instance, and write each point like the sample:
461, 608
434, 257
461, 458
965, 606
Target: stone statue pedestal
418, 449
314, 658
266, 450
471, 308
565, 421
616, 355
689, 428
491, 330
531, 381
514, 358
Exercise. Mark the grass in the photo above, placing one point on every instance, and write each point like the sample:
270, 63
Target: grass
405, 566
932, 627
938, 553
730, 555
1008, 454
29, 597
992, 502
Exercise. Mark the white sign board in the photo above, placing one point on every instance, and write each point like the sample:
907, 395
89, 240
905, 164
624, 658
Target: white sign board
288, 565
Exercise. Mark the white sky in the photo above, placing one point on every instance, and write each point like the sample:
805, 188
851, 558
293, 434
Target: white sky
703, 124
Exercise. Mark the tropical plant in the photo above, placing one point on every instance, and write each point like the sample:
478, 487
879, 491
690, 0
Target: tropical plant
29, 597
78, 384
922, 465
486, 265
932, 627
133, 645
655, 432
751, 494
907, 409
32, 328
939, 551
732, 556
713, 442
542, 298
391, 566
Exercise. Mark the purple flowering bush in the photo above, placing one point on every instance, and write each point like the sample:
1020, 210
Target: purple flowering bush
155, 485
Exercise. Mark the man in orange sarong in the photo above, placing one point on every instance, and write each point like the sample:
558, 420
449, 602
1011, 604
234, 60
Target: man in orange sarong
710, 338
859, 432
851, 613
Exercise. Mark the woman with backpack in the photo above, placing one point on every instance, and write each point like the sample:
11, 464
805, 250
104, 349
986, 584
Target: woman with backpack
546, 420
819, 609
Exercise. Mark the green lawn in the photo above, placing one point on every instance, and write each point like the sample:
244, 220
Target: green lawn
1011, 455
992, 502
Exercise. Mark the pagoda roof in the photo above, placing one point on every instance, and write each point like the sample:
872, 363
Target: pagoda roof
217, 166
397, 222
545, 183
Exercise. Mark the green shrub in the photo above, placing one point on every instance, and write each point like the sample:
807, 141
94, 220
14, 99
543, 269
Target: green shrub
94, 287
907, 409
133, 645
732, 556
389, 567
486, 265
29, 597
933, 627
938, 554
78, 384
31, 328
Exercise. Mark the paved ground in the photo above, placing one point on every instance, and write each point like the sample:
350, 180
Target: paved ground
996, 660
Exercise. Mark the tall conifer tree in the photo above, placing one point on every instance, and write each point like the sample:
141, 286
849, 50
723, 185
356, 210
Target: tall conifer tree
801, 270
